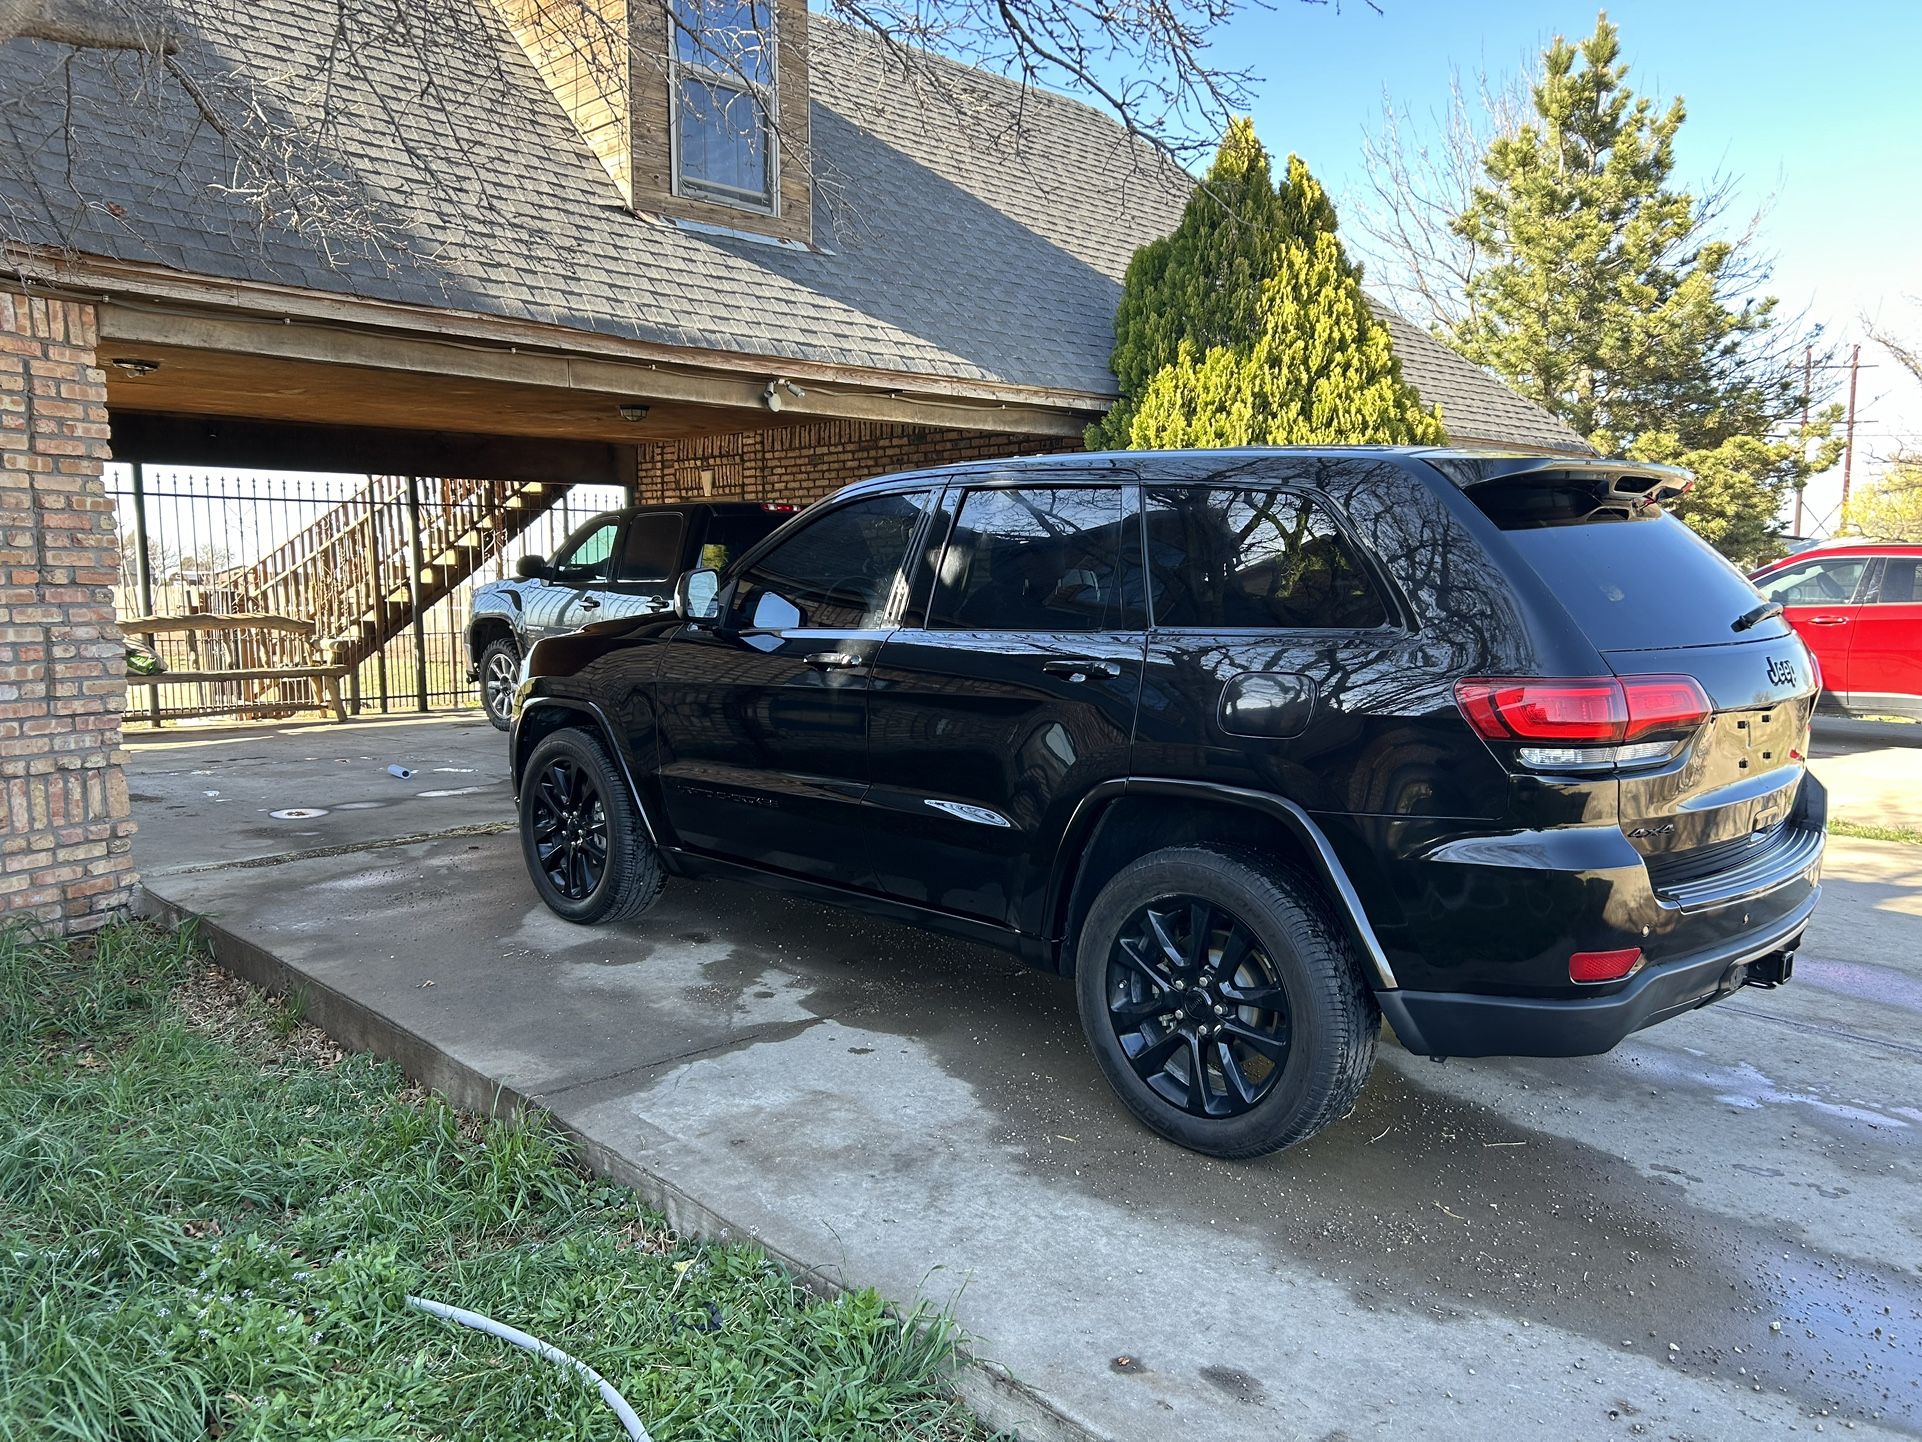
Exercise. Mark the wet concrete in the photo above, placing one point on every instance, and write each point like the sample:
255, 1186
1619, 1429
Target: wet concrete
1716, 1231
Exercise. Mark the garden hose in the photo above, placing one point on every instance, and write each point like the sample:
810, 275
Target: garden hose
635, 1431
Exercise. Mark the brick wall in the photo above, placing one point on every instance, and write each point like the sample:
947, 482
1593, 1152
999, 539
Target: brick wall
802, 463
65, 833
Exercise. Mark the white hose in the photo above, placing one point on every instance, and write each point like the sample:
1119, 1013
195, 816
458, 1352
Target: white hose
635, 1431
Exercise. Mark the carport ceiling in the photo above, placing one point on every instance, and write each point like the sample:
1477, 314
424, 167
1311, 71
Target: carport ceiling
275, 388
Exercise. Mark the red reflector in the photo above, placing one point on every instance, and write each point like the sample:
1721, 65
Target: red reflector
1604, 965
1600, 709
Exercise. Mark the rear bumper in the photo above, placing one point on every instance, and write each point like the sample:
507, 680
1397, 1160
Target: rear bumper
1441, 1023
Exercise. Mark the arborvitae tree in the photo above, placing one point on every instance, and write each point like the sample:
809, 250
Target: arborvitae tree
1606, 300
1248, 326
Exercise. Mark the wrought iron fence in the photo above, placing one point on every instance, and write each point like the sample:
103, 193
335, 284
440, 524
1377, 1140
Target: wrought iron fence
383, 567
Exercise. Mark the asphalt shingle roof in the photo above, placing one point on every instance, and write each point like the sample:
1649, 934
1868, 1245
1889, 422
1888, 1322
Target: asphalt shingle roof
948, 243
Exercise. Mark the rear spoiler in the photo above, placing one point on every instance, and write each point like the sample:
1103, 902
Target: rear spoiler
1627, 483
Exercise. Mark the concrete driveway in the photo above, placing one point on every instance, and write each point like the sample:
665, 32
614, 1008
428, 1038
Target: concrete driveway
1715, 1231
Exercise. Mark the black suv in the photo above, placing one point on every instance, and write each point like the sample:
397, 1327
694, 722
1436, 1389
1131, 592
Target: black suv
1257, 745
621, 563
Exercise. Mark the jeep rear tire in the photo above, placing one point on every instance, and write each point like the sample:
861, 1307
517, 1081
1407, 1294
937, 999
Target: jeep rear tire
1222, 1001
585, 844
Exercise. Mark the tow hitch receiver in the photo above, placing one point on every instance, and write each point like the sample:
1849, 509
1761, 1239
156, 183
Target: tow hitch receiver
1771, 970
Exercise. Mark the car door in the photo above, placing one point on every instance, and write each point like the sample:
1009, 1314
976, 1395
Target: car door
1274, 656
761, 719
1885, 652
582, 566
1008, 691
644, 570
1818, 598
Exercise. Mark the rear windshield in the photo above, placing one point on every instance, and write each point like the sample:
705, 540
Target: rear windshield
1631, 583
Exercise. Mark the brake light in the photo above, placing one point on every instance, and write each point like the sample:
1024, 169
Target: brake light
1584, 722
778, 506
1590, 966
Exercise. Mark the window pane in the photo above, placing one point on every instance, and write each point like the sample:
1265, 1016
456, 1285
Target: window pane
729, 536
723, 134
1900, 583
652, 549
732, 38
1035, 560
838, 574
1221, 557
586, 557
1814, 583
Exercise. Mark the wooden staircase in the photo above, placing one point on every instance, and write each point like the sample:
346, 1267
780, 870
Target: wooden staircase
349, 571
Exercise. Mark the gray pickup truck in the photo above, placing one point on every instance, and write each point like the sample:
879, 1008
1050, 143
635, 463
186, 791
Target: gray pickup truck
620, 563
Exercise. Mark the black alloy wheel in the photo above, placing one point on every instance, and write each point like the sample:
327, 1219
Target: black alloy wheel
1221, 999
569, 820
1198, 1007
587, 846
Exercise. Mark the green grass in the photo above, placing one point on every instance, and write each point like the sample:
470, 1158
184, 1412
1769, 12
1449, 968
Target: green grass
1875, 833
209, 1219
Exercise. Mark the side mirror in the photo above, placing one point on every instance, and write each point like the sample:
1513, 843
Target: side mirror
697, 597
531, 568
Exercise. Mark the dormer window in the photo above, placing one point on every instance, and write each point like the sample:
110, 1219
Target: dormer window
722, 55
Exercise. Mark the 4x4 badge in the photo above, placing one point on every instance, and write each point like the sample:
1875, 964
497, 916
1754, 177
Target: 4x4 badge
1781, 671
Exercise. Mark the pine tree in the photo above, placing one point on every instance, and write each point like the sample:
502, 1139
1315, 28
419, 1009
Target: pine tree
1248, 325
1606, 299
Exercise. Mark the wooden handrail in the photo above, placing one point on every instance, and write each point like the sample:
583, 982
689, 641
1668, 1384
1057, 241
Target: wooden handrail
206, 621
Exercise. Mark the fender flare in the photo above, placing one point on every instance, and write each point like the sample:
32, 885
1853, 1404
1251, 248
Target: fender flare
1314, 844
595, 714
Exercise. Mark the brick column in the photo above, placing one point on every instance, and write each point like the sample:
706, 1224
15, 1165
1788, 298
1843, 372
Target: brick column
66, 837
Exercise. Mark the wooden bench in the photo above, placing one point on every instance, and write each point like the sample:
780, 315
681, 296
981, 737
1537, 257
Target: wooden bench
320, 664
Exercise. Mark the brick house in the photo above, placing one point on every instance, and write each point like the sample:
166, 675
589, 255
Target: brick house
760, 263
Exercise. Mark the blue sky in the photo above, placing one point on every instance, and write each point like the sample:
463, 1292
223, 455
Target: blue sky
1819, 105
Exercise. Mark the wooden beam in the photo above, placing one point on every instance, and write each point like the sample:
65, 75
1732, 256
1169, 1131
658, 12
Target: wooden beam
923, 401
282, 446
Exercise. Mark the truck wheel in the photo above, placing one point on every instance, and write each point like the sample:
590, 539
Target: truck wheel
1223, 1003
586, 847
500, 673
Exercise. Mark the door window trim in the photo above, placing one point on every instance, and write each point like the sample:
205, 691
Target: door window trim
1400, 618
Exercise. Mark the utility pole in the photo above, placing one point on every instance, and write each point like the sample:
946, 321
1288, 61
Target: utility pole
1808, 384
1848, 446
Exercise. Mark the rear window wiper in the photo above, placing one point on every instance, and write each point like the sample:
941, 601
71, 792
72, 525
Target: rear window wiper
1767, 611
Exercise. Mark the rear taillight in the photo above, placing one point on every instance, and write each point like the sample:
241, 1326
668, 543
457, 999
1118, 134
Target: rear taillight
1586, 722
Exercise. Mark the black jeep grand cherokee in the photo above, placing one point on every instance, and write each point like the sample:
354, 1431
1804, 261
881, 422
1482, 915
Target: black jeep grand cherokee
1258, 745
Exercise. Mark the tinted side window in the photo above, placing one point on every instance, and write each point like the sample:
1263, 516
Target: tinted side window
1814, 583
1228, 557
839, 573
587, 555
1901, 583
1040, 559
651, 550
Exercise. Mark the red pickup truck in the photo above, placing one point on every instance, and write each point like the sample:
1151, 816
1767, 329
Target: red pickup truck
1857, 605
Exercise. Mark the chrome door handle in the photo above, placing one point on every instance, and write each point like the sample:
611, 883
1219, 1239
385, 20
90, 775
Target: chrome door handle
1828, 620
588, 603
832, 660
1081, 667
